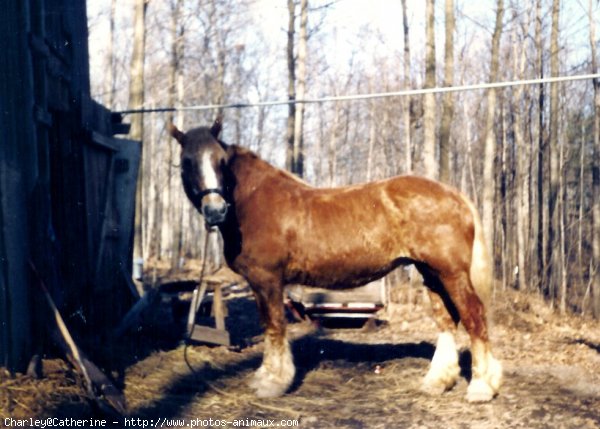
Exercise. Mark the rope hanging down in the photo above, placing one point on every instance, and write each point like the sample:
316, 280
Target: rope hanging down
407, 92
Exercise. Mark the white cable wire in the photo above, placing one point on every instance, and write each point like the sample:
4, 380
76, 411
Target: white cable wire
407, 92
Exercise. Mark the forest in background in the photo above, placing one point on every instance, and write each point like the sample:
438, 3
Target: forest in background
529, 156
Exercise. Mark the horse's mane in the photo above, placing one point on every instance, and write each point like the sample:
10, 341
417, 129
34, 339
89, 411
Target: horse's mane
259, 164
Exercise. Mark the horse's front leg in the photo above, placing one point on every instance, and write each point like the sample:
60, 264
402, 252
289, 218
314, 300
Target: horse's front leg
276, 374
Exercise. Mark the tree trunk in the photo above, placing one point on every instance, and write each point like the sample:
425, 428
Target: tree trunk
136, 101
448, 99
430, 168
537, 168
406, 101
332, 147
291, 64
554, 238
298, 153
504, 203
109, 82
174, 208
372, 137
490, 136
166, 231
595, 175
561, 207
523, 155
581, 265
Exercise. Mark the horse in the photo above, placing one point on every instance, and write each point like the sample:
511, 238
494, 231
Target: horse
279, 230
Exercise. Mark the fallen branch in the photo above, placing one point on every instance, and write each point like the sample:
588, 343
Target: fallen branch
105, 394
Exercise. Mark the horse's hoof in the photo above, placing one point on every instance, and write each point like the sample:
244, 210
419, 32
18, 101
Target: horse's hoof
438, 380
433, 388
479, 391
266, 385
494, 375
257, 378
435, 385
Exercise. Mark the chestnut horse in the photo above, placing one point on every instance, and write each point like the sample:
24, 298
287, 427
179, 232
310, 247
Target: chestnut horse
278, 230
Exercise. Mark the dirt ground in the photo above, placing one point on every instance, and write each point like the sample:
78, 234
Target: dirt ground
346, 378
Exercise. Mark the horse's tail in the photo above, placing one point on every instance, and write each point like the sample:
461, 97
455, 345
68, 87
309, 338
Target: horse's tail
481, 270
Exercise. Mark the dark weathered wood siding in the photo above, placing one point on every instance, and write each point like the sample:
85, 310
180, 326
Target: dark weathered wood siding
66, 184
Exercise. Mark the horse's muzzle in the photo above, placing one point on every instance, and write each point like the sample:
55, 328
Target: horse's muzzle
214, 214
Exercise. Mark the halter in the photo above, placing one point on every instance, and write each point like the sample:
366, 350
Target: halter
205, 192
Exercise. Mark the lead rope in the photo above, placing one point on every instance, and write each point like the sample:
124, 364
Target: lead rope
197, 298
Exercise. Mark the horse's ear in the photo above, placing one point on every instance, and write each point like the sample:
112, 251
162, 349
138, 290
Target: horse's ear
215, 130
175, 133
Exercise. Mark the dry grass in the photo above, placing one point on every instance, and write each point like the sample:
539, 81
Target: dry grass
353, 378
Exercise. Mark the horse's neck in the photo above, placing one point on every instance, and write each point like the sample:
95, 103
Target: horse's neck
252, 171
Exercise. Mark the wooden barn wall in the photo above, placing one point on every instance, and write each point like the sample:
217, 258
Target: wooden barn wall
17, 176
67, 184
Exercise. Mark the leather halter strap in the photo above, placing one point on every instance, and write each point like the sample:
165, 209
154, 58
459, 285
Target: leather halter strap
207, 191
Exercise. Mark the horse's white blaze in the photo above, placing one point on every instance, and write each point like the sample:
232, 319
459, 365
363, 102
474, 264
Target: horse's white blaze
209, 174
444, 369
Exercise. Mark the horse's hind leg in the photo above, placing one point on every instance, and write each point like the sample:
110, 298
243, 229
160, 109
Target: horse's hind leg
486, 370
444, 369
277, 371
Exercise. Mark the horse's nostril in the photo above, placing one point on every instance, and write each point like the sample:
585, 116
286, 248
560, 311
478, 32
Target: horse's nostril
214, 215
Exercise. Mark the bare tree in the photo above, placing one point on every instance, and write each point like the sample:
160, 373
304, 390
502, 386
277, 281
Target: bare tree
537, 255
406, 101
489, 183
173, 206
136, 101
298, 152
595, 172
523, 160
554, 239
430, 165
291, 66
448, 100
109, 82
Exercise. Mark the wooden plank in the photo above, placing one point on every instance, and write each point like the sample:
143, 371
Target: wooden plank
18, 171
205, 334
110, 399
125, 183
42, 116
104, 141
218, 308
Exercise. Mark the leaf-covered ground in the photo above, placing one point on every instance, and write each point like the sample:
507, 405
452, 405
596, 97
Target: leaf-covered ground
349, 378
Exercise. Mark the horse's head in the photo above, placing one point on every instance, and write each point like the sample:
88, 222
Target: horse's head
203, 158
